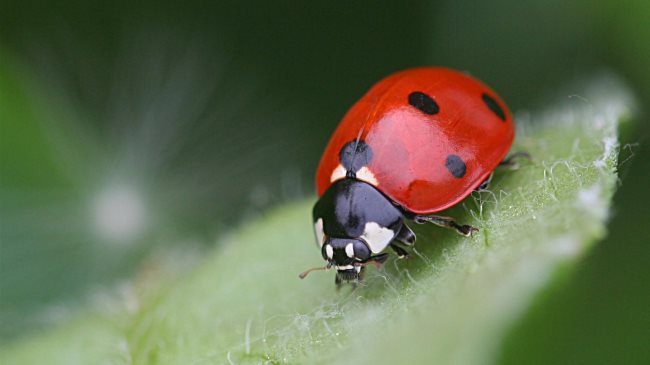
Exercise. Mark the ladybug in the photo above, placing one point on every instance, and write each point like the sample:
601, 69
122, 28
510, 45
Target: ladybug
419, 142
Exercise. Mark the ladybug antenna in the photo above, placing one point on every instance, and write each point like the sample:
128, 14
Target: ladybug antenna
304, 274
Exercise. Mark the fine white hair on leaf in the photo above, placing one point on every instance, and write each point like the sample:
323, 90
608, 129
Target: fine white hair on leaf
247, 335
329, 251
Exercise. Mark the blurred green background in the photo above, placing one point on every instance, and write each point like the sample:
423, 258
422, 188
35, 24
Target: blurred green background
130, 128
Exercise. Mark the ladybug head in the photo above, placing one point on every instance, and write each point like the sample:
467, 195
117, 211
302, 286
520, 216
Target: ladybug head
354, 223
349, 257
346, 255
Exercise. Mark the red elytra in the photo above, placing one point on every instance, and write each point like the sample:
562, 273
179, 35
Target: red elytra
435, 135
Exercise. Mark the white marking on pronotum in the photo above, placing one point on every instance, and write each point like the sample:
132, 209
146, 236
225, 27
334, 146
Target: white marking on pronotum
320, 234
329, 251
338, 173
349, 249
366, 175
377, 237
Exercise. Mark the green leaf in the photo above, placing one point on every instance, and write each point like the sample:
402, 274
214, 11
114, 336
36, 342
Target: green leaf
452, 302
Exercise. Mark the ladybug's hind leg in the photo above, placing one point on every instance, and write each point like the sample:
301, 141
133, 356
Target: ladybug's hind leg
484, 185
446, 222
511, 162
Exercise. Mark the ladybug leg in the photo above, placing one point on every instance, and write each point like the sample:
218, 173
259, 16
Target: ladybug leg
446, 222
379, 259
484, 185
401, 253
511, 162
406, 235
362, 274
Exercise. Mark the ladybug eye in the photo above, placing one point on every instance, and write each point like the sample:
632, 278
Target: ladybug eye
361, 251
423, 103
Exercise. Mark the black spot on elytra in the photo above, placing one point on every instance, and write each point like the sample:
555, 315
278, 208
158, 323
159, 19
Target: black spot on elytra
424, 103
354, 156
456, 166
494, 106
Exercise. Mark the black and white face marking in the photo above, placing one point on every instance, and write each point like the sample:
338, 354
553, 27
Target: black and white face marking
345, 253
329, 252
355, 222
349, 250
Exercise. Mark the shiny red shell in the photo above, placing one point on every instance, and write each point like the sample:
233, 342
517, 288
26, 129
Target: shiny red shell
415, 153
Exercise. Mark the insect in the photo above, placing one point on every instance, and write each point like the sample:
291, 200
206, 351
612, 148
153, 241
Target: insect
418, 142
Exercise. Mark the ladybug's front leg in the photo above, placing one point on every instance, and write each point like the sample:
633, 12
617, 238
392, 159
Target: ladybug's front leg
401, 253
446, 222
378, 260
338, 282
